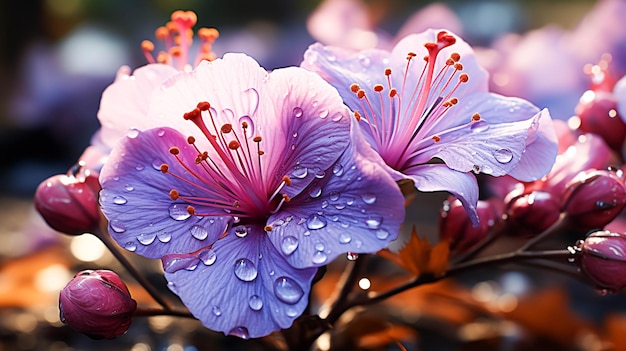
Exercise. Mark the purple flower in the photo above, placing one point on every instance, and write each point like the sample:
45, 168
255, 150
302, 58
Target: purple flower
432, 120
97, 303
620, 94
267, 180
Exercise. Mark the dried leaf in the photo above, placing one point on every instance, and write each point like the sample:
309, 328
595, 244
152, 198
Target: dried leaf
615, 327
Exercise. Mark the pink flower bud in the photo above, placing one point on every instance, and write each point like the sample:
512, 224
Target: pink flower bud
533, 212
597, 111
602, 256
456, 226
69, 202
97, 303
594, 198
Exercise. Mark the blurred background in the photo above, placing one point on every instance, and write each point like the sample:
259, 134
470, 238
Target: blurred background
56, 58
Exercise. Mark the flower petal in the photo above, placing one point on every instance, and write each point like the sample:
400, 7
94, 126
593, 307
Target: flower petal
135, 197
245, 289
124, 103
620, 92
355, 207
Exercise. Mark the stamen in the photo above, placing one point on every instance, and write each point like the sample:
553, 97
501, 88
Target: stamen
174, 195
268, 228
191, 140
148, 47
287, 180
378, 88
191, 210
174, 150
233, 145
476, 117
436, 138
165, 168
227, 128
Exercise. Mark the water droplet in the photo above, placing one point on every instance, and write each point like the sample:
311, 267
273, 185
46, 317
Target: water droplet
216, 311
133, 133
287, 290
128, 187
179, 212
295, 134
319, 174
297, 112
479, 126
340, 206
315, 192
117, 227
323, 113
240, 332
253, 100
337, 117
255, 302
345, 238
319, 257
364, 60
130, 246
352, 256
161, 132
199, 232
164, 237
245, 270
174, 263
382, 234
334, 196
156, 164
119, 200
369, 198
300, 172
316, 222
373, 222
241, 231
289, 244
503, 155
324, 204
139, 167
146, 239
207, 257
486, 169
319, 247
315, 103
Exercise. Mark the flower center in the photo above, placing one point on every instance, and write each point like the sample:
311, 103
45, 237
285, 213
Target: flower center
177, 36
230, 179
410, 113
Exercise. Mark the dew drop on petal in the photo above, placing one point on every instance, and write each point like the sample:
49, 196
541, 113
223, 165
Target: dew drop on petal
133, 133
300, 172
373, 222
130, 246
245, 270
173, 288
253, 100
179, 212
156, 164
345, 238
129, 187
117, 227
216, 311
368, 198
119, 200
139, 167
199, 232
287, 290
146, 238
315, 191
337, 117
297, 112
319, 247
241, 231
364, 60
479, 126
319, 257
324, 204
207, 257
334, 196
316, 222
352, 256
289, 244
161, 132
503, 155
175, 263
255, 302
486, 169
382, 234
164, 237
240, 332
319, 174
323, 113
338, 169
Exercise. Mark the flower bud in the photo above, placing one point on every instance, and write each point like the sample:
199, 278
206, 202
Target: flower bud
532, 213
456, 227
594, 198
69, 202
598, 114
602, 257
97, 304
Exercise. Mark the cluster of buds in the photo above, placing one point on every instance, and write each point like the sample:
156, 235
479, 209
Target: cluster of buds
602, 257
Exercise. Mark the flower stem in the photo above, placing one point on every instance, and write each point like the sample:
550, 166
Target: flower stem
141, 279
151, 312
558, 226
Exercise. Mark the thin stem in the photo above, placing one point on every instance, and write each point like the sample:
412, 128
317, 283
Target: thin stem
558, 226
344, 287
151, 312
115, 250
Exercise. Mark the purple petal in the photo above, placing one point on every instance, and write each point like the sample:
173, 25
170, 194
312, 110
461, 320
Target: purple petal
124, 103
245, 288
135, 197
355, 207
438, 177
620, 93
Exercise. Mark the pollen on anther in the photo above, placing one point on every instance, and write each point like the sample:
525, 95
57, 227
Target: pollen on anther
357, 115
191, 140
204, 106
165, 168
450, 62
161, 33
191, 210
393, 92
387, 71
287, 180
360, 94
463, 78
175, 51
286, 198
411, 55
261, 152
227, 128
458, 66
233, 145
436, 138
174, 150
355, 88
195, 113
454, 101
174, 195
455, 56
476, 117
257, 139
378, 88
244, 124
208, 34
268, 228
147, 45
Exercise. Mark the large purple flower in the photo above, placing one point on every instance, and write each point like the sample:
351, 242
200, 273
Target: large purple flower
267, 179
432, 120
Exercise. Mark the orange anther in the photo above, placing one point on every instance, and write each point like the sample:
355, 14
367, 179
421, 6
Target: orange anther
233, 145
436, 138
464, 77
455, 56
393, 92
175, 51
161, 33
257, 139
268, 228
449, 62
287, 180
227, 128
191, 140
458, 66
357, 115
378, 88
191, 210
163, 57
208, 34
165, 168
454, 101
476, 117
147, 45
204, 106
387, 71
174, 150
174, 195
360, 94
354, 87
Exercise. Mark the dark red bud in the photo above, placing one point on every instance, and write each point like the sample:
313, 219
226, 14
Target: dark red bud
533, 212
456, 227
97, 304
594, 198
597, 111
69, 202
602, 257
